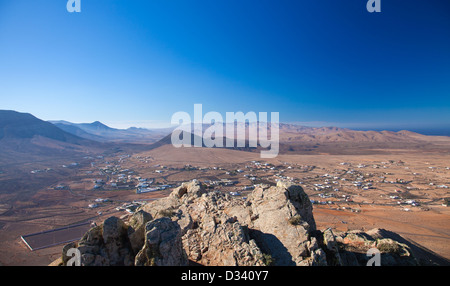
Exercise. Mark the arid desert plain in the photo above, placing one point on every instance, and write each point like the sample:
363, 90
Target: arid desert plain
402, 191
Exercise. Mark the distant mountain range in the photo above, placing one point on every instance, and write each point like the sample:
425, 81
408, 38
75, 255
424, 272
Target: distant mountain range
296, 139
15, 125
23, 132
25, 138
100, 132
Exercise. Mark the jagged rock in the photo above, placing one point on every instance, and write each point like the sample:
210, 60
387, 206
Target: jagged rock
213, 237
355, 244
163, 246
284, 220
227, 245
296, 196
106, 245
189, 191
319, 258
64, 257
166, 207
89, 247
312, 245
332, 248
136, 231
116, 242
274, 225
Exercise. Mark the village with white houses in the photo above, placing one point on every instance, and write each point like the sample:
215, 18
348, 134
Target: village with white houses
124, 183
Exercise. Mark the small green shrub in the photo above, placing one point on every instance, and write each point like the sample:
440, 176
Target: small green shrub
388, 247
268, 259
166, 213
295, 220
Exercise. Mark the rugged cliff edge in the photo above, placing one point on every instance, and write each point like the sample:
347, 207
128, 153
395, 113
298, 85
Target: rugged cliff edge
273, 226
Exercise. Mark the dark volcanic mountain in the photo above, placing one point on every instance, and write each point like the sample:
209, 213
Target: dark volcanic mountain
25, 138
16, 125
167, 140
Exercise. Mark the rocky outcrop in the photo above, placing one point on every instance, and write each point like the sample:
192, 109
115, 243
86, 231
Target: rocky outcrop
281, 222
136, 230
107, 244
194, 225
163, 246
354, 245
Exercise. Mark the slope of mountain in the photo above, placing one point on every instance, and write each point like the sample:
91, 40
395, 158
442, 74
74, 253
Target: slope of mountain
25, 138
23, 132
290, 132
103, 133
96, 127
16, 125
77, 131
332, 140
167, 140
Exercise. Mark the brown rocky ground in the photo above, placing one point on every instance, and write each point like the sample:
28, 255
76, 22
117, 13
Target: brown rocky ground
42, 208
193, 225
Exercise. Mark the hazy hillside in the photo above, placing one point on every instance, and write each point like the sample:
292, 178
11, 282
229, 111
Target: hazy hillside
23, 137
16, 125
103, 133
77, 131
290, 132
331, 140
23, 132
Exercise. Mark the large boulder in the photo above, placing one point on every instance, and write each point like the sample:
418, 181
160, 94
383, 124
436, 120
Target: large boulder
214, 237
116, 242
136, 230
281, 222
355, 245
182, 195
163, 245
106, 245
274, 222
273, 226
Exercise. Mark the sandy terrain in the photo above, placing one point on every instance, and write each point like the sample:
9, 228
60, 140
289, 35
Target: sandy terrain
328, 179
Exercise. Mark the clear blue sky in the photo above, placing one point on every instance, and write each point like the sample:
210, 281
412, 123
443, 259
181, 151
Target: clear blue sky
323, 62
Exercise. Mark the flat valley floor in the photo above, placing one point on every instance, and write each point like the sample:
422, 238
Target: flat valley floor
400, 191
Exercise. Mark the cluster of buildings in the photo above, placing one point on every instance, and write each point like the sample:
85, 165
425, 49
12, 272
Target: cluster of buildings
147, 189
130, 207
350, 184
41, 171
221, 182
71, 165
